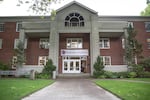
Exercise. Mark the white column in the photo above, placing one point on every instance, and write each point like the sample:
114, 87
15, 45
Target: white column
54, 44
94, 41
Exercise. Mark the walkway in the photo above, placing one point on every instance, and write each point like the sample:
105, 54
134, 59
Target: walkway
72, 89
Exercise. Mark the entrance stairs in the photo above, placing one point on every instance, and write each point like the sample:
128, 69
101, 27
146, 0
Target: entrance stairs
74, 75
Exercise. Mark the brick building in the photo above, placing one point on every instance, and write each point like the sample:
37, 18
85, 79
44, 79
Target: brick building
73, 40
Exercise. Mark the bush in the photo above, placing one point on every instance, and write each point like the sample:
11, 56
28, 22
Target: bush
146, 74
132, 74
4, 66
146, 63
138, 69
122, 74
108, 74
42, 76
98, 67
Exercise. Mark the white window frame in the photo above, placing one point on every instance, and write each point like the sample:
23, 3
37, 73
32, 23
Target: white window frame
102, 43
2, 27
18, 26
148, 43
1, 43
123, 42
14, 62
132, 25
79, 40
104, 60
17, 41
44, 43
147, 24
42, 60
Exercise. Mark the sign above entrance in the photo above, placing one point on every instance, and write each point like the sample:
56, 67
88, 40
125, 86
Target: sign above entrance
83, 52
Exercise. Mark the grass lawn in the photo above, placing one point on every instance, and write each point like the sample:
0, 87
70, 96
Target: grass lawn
15, 89
140, 79
126, 90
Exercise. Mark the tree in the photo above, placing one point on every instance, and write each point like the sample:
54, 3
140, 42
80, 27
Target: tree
146, 11
40, 6
98, 67
134, 48
19, 51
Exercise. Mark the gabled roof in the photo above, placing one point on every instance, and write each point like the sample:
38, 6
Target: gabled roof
77, 3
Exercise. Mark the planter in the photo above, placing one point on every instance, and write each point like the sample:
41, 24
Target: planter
54, 75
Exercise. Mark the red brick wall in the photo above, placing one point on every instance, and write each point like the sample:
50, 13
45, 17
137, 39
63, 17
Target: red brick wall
142, 37
116, 51
33, 51
8, 37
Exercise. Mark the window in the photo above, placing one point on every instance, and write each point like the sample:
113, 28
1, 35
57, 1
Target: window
74, 42
147, 26
17, 41
42, 60
18, 26
123, 43
104, 43
130, 23
14, 62
44, 43
106, 60
1, 40
74, 20
148, 43
1, 27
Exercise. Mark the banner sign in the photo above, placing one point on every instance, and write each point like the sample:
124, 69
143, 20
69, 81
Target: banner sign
83, 52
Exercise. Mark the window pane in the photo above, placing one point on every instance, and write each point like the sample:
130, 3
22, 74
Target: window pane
1, 27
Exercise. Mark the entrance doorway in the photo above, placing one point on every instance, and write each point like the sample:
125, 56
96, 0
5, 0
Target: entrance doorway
71, 66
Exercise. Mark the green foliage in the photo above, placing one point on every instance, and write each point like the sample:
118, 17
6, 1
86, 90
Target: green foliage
20, 53
146, 75
134, 48
39, 6
42, 76
49, 68
146, 11
122, 74
4, 66
98, 67
146, 63
138, 69
132, 75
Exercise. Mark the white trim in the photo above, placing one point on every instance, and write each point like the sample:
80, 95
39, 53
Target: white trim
71, 43
44, 43
16, 43
42, 60
1, 43
103, 58
103, 46
18, 26
2, 27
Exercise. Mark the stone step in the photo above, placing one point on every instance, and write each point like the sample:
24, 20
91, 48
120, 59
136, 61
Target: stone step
74, 75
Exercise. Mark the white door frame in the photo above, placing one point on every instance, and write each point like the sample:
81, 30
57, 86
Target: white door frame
67, 68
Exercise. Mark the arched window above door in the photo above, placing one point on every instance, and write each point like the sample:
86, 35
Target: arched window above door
74, 20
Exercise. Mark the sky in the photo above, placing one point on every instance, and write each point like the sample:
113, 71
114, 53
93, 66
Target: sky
103, 7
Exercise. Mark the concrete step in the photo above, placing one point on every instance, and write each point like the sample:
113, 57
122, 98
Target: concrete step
74, 75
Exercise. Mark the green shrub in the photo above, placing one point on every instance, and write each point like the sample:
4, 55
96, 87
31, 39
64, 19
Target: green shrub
146, 74
4, 66
138, 69
98, 67
108, 74
132, 74
42, 76
49, 68
146, 63
122, 74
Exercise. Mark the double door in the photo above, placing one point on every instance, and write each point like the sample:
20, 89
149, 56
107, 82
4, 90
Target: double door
71, 66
